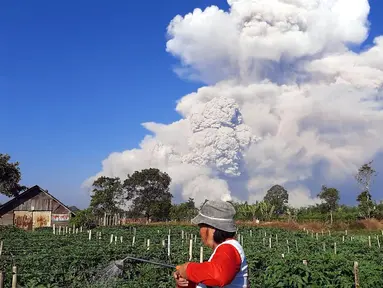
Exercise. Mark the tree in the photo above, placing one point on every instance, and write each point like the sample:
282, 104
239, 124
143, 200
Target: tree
10, 176
364, 176
84, 218
107, 196
266, 210
148, 190
278, 197
364, 179
183, 211
330, 196
366, 205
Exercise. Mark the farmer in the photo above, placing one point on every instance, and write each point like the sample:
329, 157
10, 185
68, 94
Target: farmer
227, 266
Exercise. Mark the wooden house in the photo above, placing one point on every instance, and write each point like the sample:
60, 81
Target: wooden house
35, 208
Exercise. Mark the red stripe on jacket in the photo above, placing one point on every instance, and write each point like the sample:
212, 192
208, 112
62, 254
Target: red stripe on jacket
221, 269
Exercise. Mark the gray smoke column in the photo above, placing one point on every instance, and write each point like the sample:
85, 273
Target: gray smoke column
284, 95
218, 136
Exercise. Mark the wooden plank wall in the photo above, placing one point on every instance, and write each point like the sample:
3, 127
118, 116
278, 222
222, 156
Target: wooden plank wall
7, 219
41, 202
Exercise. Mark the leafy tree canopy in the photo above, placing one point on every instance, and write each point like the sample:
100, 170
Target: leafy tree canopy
107, 196
10, 176
330, 196
366, 205
278, 197
364, 176
148, 191
183, 211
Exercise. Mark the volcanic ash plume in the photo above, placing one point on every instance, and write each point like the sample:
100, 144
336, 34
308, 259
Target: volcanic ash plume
285, 96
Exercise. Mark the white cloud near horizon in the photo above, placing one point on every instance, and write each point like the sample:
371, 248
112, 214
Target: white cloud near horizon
283, 94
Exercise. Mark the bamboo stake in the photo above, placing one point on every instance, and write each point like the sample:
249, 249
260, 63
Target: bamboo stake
169, 243
14, 277
356, 274
1, 279
201, 254
190, 249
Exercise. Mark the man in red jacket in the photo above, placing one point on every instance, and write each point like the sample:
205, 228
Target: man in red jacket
227, 266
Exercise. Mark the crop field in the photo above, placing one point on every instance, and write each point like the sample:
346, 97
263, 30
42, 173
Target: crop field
276, 257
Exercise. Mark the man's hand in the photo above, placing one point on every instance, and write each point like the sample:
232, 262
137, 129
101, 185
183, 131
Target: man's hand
181, 282
181, 269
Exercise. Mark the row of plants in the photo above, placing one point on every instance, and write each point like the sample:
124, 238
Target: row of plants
72, 260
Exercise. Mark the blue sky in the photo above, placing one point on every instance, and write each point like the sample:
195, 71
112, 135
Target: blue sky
77, 79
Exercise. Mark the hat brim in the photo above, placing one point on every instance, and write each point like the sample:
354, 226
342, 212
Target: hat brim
224, 225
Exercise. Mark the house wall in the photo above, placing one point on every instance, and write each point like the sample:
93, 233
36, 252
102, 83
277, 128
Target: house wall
39, 211
7, 219
41, 202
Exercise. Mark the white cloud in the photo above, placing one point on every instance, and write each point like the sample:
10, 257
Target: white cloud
284, 95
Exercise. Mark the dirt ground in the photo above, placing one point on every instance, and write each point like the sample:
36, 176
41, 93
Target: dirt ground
368, 225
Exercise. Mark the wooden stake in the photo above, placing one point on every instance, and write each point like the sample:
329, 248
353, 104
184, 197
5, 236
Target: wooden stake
14, 277
1, 247
356, 274
1, 279
133, 240
190, 249
169, 244
377, 238
270, 242
334, 247
324, 246
201, 254
148, 243
369, 241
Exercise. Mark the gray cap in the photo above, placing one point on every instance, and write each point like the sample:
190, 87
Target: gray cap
218, 214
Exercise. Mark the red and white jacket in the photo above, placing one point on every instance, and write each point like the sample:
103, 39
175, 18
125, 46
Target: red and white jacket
227, 267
